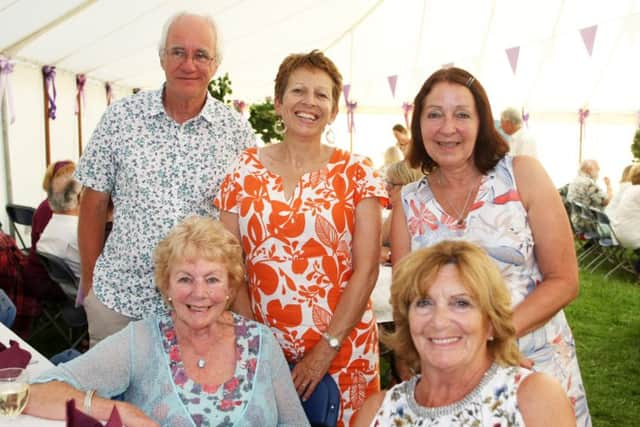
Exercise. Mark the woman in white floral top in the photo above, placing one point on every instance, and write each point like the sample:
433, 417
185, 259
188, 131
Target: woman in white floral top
197, 365
453, 324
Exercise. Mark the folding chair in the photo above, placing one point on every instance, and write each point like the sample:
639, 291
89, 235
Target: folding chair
72, 317
22, 215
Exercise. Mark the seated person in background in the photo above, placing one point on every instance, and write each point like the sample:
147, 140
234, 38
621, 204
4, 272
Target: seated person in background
396, 175
626, 217
60, 236
453, 324
38, 283
402, 137
391, 155
625, 183
197, 364
585, 190
7, 310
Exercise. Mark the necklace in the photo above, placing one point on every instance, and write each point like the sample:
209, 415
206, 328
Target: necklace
202, 363
460, 214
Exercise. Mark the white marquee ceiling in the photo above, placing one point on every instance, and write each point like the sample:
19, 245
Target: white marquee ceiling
116, 40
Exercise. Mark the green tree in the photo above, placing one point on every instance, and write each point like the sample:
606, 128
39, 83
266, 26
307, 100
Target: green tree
220, 88
263, 121
635, 147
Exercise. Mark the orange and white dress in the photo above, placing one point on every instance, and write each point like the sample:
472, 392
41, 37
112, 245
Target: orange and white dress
299, 260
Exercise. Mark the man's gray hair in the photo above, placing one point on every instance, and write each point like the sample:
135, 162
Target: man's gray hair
173, 18
65, 197
512, 115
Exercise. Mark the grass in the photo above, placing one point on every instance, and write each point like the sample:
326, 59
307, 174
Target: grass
605, 320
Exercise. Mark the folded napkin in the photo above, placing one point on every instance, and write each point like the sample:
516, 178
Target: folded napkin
13, 356
76, 418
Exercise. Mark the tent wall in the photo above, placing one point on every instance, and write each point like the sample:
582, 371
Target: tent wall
25, 143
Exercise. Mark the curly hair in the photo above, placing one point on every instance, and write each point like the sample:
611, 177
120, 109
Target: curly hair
415, 274
314, 60
490, 146
198, 238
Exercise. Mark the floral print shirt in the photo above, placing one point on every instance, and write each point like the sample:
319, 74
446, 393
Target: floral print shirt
203, 401
157, 172
493, 402
585, 190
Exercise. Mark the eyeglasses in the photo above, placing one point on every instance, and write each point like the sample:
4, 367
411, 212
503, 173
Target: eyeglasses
179, 55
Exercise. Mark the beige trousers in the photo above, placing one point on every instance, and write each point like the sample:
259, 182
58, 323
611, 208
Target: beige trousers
102, 320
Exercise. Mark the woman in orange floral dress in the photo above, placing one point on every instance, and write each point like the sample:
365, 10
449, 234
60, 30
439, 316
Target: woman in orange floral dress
309, 217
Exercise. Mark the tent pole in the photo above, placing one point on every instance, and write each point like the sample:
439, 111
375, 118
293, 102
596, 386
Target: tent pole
6, 153
79, 120
47, 146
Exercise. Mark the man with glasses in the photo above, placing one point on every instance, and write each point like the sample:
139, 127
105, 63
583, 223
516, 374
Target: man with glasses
160, 155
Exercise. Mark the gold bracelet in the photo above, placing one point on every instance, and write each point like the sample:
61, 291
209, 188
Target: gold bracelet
88, 398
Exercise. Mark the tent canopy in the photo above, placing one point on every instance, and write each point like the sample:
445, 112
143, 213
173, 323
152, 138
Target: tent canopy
370, 40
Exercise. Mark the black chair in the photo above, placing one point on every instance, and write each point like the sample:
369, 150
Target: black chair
64, 316
22, 215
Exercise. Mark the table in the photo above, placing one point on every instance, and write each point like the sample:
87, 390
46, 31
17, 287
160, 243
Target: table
37, 365
380, 296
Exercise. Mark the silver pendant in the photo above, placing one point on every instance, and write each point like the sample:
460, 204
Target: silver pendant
201, 363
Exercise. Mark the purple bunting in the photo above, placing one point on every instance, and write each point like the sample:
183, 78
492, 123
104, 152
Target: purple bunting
392, 84
109, 92
6, 68
512, 56
589, 37
351, 108
407, 108
81, 79
49, 73
583, 114
239, 105
345, 91
525, 117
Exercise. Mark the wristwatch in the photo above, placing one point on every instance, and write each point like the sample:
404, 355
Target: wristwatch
333, 342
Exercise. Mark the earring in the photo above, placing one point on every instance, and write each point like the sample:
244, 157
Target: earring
329, 135
227, 297
490, 337
280, 127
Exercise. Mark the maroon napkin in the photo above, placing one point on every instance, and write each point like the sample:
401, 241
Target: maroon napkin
13, 356
76, 418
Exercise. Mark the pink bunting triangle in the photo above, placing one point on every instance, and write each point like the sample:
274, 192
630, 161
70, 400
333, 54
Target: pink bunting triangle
345, 91
392, 84
512, 55
589, 37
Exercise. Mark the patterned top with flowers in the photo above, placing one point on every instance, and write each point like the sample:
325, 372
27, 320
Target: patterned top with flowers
299, 258
143, 363
499, 223
493, 402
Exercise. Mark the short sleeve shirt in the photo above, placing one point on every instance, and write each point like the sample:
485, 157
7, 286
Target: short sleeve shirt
157, 172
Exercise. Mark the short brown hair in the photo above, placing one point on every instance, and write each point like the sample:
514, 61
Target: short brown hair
414, 275
314, 60
198, 238
490, 146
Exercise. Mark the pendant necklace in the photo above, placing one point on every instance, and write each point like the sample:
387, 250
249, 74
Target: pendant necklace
461, 215
202, 363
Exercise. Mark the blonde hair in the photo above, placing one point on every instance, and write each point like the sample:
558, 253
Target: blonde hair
414, 275
198, 238
401, 173
634, 174
56, 169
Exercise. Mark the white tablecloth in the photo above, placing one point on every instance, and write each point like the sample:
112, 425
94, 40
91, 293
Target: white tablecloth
380, 296
37, 365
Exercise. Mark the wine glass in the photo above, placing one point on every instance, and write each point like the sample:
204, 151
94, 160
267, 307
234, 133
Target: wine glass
14, 391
